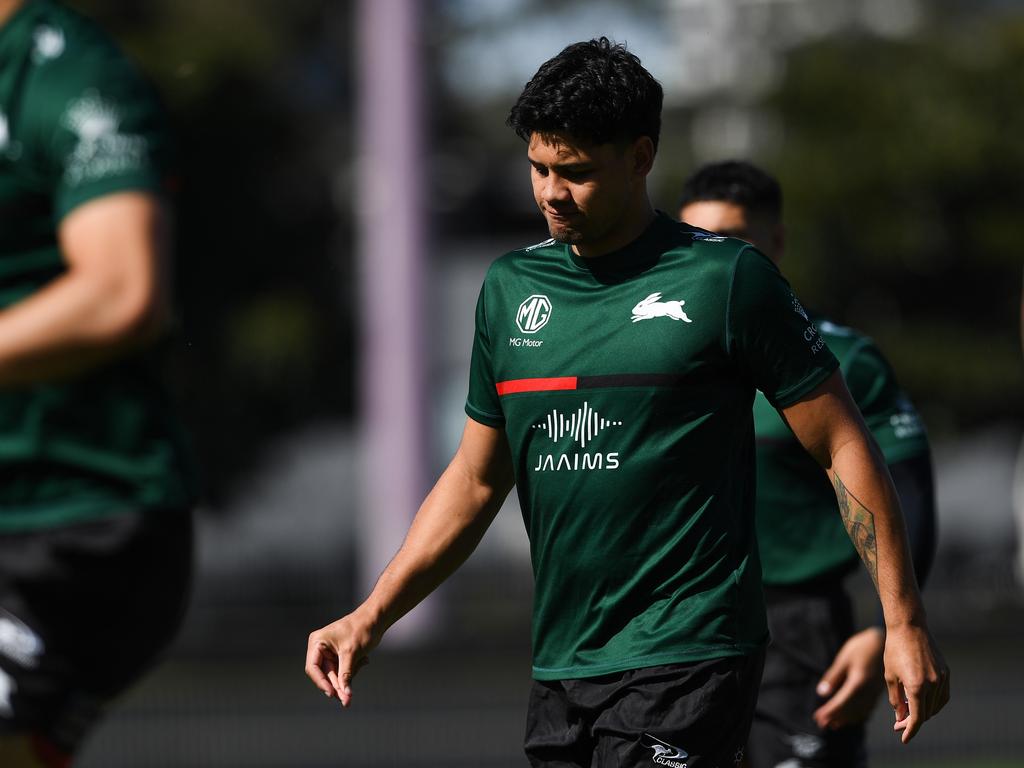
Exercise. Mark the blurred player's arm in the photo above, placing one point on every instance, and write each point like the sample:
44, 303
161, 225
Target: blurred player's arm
447, 528
112, 298
829, 426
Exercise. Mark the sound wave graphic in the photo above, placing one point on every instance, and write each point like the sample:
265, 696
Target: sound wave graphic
583, 425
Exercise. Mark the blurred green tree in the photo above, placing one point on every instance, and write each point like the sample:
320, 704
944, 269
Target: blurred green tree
259, 93
903, 169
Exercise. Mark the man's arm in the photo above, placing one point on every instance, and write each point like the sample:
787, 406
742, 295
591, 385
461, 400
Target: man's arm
855, 678
112, 298
448, 526
827, 423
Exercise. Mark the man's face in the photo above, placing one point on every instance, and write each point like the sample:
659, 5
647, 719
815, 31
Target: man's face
732, 220
583, 190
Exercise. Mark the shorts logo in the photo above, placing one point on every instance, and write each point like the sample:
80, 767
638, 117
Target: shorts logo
665, 753
653, 306
7, 687
18, 642
806, 745
534, 313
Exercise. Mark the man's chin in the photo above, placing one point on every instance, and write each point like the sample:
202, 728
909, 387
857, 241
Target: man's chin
566, 235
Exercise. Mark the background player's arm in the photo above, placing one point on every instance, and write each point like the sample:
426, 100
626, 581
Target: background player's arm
448, 526
112, 298
827, 423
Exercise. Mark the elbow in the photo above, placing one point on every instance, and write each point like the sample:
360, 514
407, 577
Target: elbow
137, 318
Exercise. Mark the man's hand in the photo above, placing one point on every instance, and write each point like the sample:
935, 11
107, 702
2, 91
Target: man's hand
335, 653
916, 676
853, 682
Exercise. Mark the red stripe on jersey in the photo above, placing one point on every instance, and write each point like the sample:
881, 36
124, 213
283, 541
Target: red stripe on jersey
535, 385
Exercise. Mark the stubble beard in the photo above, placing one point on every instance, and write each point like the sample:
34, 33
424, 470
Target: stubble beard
565, 234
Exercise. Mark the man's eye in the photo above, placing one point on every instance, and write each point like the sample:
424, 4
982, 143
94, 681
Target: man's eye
576, 174
540, 170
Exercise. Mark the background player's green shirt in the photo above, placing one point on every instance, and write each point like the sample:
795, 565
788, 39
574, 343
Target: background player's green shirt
624, 384
76, 122
799, 531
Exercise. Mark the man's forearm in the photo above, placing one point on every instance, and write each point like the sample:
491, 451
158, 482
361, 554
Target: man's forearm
870, 511
447, 528
68, 327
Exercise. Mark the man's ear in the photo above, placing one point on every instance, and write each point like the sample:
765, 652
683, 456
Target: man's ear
643, 155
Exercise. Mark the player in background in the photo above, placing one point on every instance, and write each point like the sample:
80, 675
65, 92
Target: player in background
821, 678
95, 496
613, 372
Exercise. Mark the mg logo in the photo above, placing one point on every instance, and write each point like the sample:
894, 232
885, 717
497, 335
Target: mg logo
533, 313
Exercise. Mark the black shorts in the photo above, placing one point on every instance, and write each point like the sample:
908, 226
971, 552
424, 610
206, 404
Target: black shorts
84, 610
808, 627
694, 715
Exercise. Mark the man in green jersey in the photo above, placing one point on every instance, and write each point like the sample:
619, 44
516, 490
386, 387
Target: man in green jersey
613, 373
95, 529
821, 679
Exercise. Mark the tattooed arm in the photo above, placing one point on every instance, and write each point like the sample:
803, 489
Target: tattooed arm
830, 427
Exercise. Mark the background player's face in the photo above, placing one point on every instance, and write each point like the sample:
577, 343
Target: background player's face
587, 192
731, 220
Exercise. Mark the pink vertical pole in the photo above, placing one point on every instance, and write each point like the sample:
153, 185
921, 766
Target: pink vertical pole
391, 252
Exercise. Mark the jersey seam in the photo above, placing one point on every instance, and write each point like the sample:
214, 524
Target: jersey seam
793, 393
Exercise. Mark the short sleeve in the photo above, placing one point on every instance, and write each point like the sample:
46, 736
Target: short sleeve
99, 127
888, 412
770, 335
483, 404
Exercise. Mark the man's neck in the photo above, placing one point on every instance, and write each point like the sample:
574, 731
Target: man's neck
8, 8
633, 224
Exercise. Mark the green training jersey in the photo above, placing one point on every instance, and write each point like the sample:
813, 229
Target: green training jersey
624, 384
799, 530
76, 122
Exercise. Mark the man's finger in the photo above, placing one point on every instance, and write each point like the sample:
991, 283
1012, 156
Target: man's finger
831, 713
916, 715
336, 684
896, 700
314, 667
832, 679
348, 665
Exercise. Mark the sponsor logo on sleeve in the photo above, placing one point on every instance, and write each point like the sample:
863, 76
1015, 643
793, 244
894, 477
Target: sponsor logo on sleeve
102, 149
799, 308
811, 335
49, 43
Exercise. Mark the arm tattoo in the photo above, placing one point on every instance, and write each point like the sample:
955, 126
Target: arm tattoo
860, 524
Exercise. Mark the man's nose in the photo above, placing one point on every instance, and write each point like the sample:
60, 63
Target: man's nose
555, 189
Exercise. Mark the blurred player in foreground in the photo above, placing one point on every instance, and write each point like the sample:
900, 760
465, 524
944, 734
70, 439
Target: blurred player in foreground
613, 372
821, 679
95, 528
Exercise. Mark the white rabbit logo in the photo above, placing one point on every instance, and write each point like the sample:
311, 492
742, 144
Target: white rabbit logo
653, 306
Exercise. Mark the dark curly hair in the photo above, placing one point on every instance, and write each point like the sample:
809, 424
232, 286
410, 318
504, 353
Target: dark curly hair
737, 182
594, 91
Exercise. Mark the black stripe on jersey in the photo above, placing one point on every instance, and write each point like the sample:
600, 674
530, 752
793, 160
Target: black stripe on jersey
670, 380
